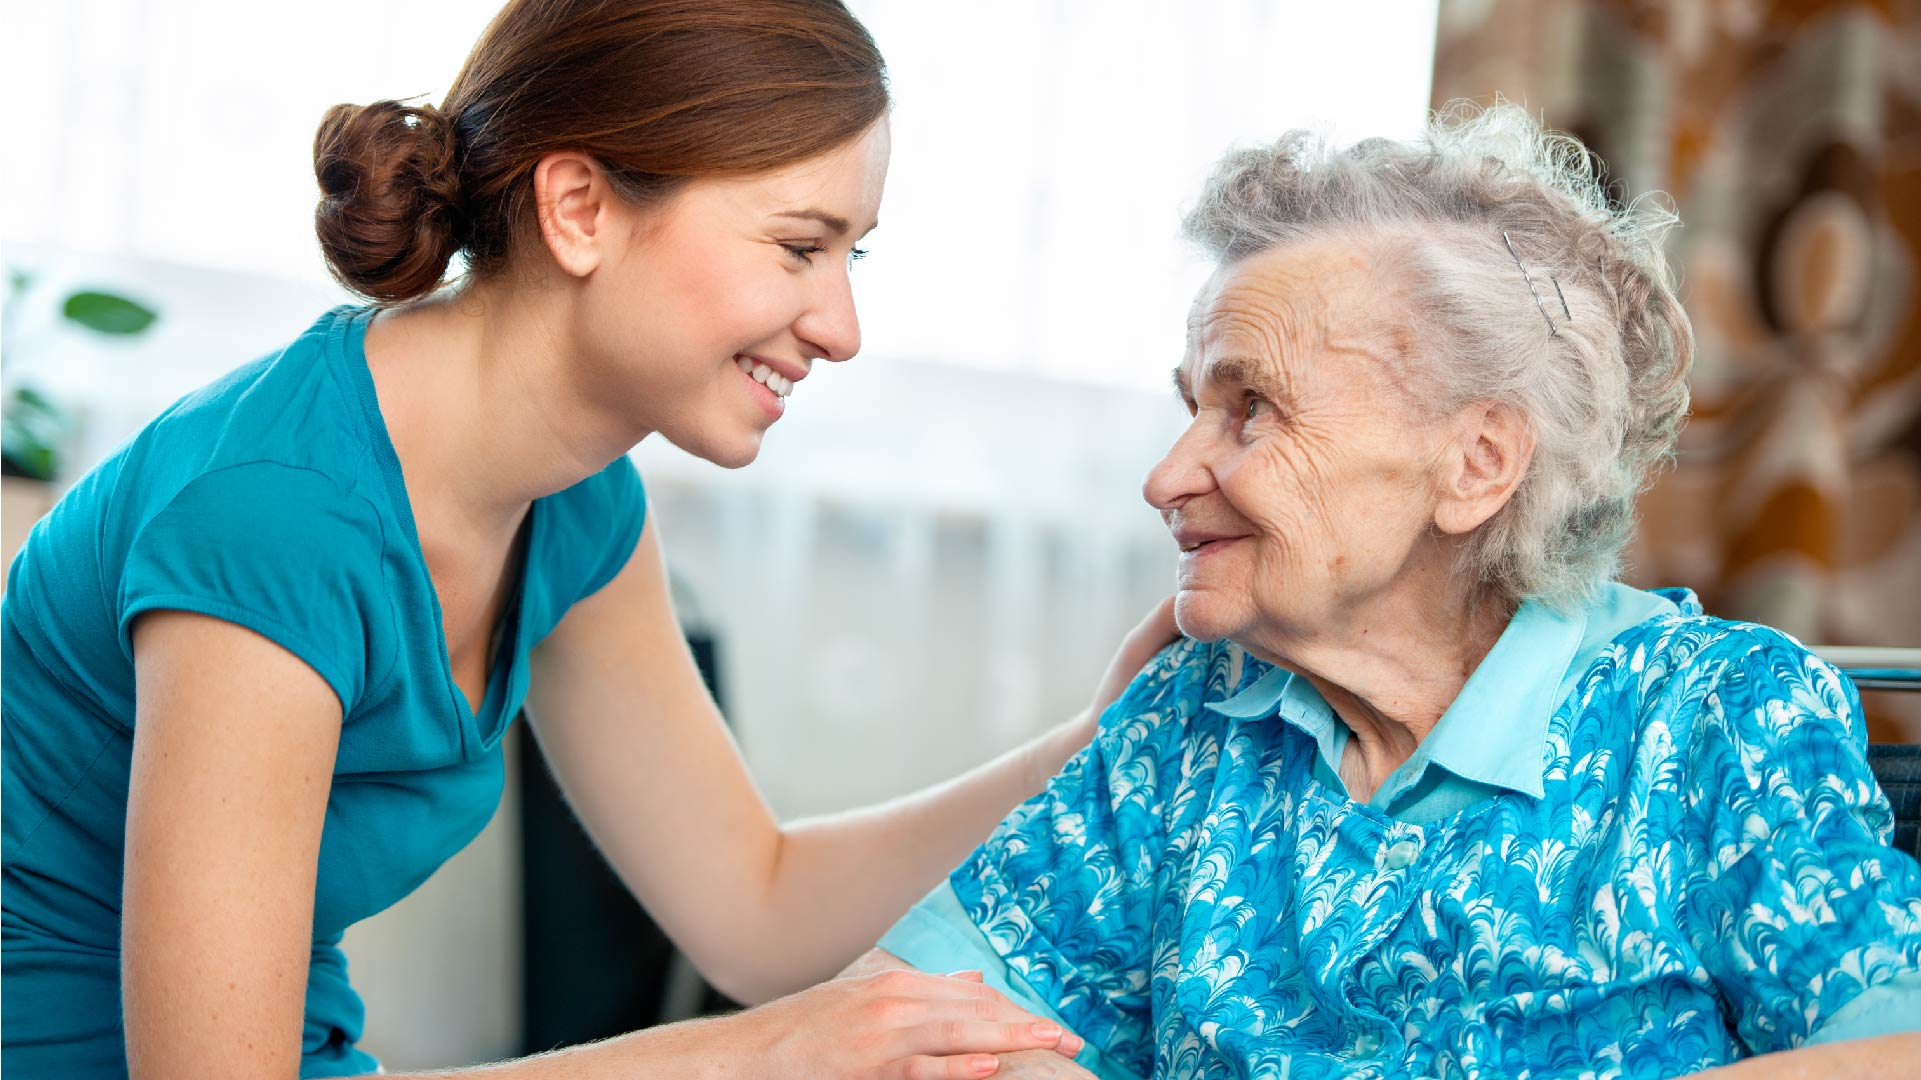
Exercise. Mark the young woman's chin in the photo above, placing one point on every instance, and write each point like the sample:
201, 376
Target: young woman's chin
732, 450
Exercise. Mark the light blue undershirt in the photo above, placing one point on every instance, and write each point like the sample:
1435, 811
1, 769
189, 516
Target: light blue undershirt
1492, 739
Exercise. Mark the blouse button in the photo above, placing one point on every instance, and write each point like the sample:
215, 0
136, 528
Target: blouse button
1401, 854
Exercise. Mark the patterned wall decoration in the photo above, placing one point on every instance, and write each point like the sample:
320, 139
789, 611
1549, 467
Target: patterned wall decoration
1788, 134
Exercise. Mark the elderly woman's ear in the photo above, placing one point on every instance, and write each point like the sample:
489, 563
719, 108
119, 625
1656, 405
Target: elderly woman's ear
1480, 465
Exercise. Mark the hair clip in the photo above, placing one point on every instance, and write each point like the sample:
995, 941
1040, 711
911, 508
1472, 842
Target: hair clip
1532, 291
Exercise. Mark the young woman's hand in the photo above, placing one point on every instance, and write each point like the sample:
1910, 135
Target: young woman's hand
898, 1024
1150, 636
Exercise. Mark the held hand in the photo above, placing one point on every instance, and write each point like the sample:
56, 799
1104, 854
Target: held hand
1139, 646
898, 1024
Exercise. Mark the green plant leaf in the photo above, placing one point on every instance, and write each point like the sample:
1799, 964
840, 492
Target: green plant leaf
27, 452
28, 398
108, 313
31, 460
32, 428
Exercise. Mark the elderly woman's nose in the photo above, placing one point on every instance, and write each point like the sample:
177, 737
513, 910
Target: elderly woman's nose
1179, 476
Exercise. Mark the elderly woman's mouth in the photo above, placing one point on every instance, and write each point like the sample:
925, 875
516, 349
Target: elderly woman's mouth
1197, 545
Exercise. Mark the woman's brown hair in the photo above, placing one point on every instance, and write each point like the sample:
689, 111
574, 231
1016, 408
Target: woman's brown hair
657, 91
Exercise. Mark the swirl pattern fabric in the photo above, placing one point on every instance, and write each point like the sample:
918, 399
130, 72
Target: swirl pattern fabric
1706, 877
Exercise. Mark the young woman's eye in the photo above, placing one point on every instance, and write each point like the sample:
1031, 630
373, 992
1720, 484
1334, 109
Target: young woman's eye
856, 255
804, 252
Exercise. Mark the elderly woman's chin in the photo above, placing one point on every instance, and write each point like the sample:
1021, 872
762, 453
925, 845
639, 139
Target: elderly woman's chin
1212, 614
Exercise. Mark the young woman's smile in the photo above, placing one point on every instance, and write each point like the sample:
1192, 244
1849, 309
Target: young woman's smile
770, 382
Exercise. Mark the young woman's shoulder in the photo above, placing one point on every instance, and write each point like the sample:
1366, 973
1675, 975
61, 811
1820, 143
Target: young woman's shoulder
257, 499
590, 530
300, 405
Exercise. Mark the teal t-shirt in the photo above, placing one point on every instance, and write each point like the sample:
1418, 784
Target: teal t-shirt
272, 499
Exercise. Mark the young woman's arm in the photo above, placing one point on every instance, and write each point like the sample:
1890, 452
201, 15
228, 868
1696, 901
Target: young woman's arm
647, 763
233, 754
1885, 1055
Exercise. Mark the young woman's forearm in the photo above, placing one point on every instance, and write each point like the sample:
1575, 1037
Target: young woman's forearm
886, 1025
1887, 1055
684, 1051
840, 881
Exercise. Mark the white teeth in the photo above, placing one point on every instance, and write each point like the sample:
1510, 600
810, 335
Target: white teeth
766, 376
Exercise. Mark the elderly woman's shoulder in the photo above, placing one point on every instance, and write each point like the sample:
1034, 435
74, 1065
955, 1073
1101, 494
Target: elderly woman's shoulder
1701, 672
1174, 688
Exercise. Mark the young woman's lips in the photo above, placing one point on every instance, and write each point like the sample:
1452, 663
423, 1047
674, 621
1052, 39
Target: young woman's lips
771, 404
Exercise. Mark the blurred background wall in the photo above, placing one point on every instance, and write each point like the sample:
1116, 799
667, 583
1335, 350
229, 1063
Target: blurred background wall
1788, 135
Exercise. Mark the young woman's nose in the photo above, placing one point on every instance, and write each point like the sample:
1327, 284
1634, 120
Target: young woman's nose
829, 325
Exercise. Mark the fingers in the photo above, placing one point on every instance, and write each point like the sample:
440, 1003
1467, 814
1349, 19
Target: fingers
995, 1037
1157, 629
959, 1014
1040, 1065
1149, 637
961, 1067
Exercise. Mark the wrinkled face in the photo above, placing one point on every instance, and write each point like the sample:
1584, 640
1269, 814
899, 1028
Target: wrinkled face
1303, 485
705, 323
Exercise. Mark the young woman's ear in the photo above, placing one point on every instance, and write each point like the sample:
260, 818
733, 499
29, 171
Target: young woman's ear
1483, 466
574, 205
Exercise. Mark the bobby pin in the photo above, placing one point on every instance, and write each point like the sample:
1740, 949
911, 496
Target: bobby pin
1532, 291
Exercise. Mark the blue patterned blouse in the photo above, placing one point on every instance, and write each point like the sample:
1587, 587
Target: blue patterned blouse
1692, 869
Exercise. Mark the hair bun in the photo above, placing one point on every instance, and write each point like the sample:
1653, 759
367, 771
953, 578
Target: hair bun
389, 217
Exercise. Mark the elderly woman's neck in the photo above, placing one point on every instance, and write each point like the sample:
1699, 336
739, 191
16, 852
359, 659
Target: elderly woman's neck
1390, 669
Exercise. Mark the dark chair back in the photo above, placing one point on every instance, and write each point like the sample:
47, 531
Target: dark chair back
1898, 767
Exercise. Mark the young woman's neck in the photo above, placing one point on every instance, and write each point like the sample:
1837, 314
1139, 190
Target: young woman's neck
481, 396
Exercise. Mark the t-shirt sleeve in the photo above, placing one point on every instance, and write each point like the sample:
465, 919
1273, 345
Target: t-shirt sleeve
1799, 906
609, 516
594, 527
281, 550
1065, 888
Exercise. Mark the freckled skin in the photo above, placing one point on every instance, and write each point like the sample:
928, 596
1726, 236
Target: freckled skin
1306, 440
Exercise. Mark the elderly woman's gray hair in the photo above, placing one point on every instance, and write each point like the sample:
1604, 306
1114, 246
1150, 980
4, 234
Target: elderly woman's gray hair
1522, 283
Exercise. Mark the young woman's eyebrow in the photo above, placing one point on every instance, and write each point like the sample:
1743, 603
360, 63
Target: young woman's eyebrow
834, 223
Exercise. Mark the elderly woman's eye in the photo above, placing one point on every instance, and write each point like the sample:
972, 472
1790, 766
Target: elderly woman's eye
1256, 407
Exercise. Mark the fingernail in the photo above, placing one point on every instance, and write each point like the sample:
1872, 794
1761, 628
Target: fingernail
985, 1065
1072, 1043
1046, 1031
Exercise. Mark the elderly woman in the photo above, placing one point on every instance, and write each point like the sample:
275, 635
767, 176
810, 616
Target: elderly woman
1429, 794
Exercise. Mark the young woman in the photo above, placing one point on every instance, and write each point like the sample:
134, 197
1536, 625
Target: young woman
258, 664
